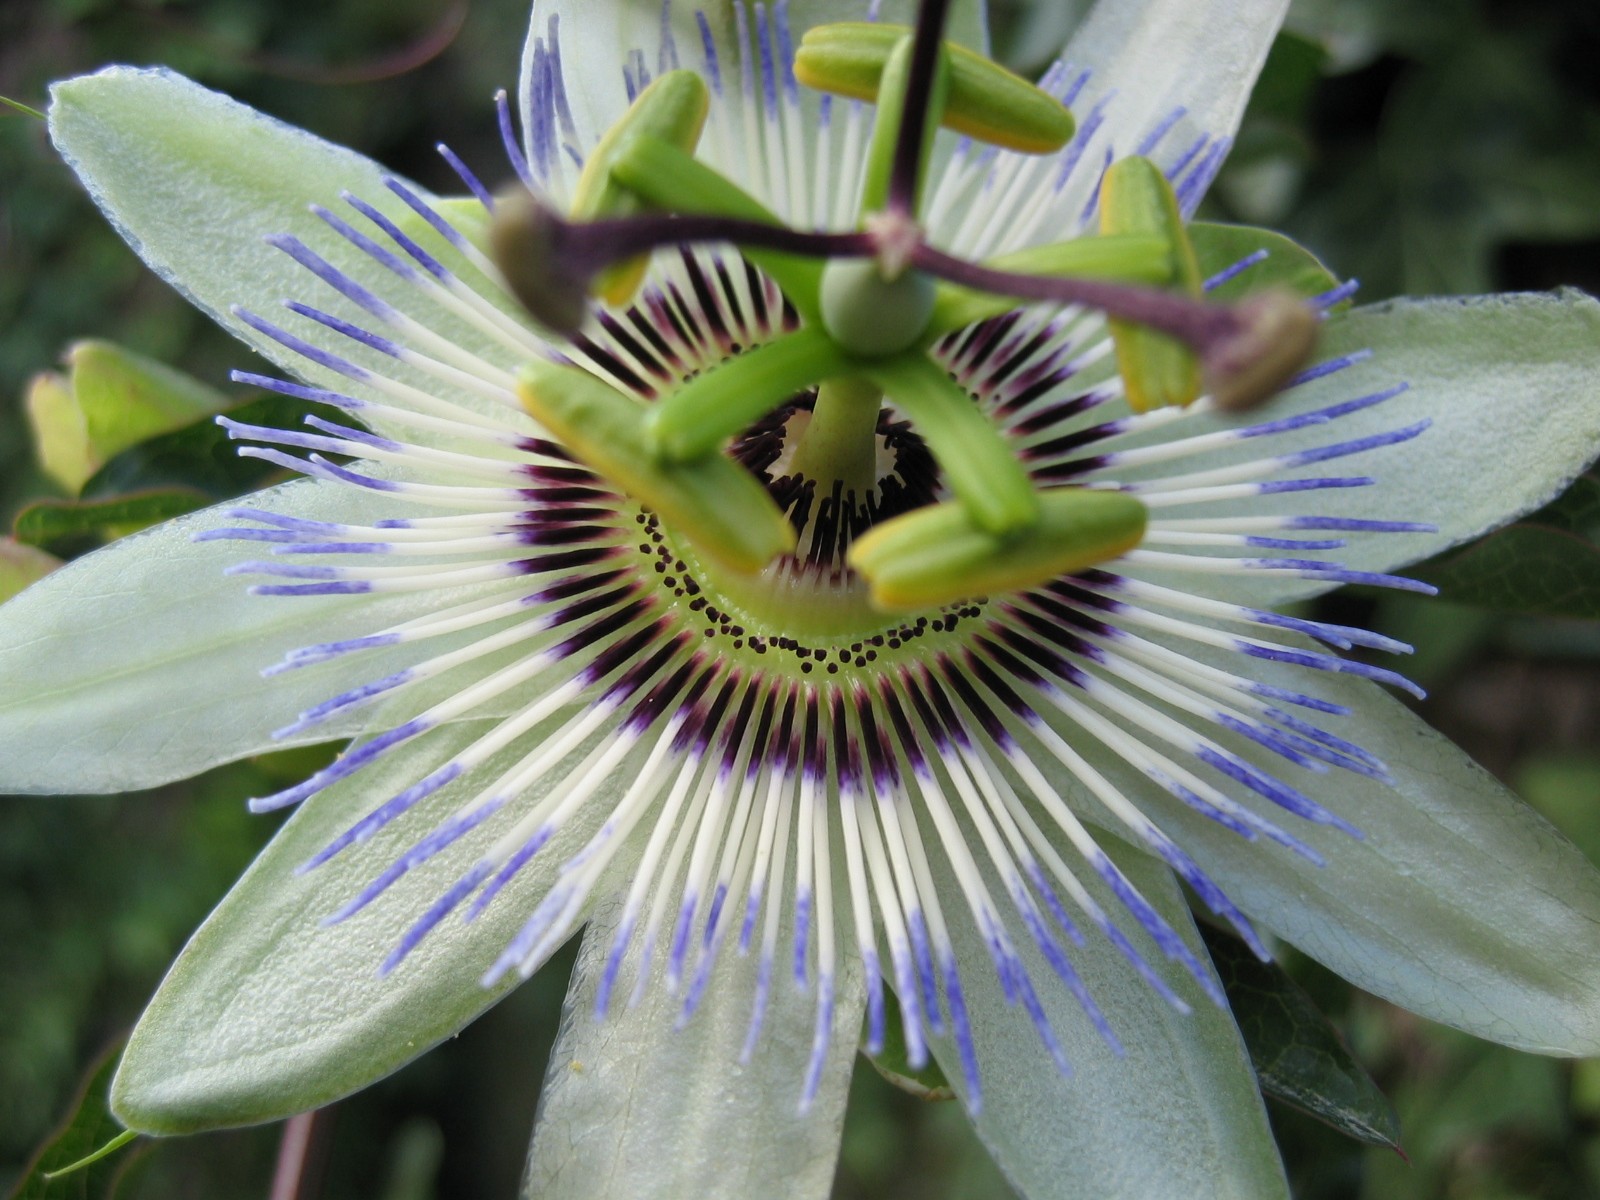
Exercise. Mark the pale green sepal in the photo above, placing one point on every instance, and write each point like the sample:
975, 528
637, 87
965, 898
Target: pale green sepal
979, 465
712, 501
986, 101
1201, 55
195, 181
1461, 903
938, 555
1196, 57
1178, 1115
60, 431
140, 663
635, 1106
672, 110
1511, 385
1123, 258
268, 1012
699, 417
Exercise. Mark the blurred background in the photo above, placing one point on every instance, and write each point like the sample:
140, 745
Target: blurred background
1421, 146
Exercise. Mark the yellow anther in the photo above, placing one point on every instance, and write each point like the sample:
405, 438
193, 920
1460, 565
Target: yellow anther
939, 555
987, 102
1157, 369
673, 109
714, 502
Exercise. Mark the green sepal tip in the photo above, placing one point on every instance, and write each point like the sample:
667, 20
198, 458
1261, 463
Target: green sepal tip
17, 106
939, 555
978, 462
695, 420
94, 1156
715, 503
672, 109
986, 101
1157, 369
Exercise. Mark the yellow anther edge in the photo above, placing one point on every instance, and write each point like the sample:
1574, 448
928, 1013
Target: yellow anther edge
1157, 369
715, 503
987, 102
673, 109
939, 555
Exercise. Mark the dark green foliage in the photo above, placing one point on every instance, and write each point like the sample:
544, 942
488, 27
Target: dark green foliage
61, 1170
1545, 565
1299, 1057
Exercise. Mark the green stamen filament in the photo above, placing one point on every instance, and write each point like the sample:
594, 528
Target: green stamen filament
978, 464
697, 419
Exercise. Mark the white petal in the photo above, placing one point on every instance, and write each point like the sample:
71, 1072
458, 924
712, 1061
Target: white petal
1161, 55
1167, 79
597, 36
1178, 1115
773, 153
141, 663
633, 1106
1511, 385
194, 181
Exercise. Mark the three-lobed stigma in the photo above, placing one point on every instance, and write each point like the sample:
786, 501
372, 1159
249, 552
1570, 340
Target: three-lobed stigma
871, 305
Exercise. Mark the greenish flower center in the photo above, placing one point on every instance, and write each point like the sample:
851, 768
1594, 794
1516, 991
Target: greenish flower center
872, 304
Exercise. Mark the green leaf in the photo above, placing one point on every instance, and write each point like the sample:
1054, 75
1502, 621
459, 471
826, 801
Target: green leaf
88, 1130
1287, 265
202, 456
1289, 78
127, 398
1547, 565
926, 1082
1298, 1056
1530, 570
636, 1105
1577, 510
50, 522
21, 565
1480, 145
1563, 788
109, 399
